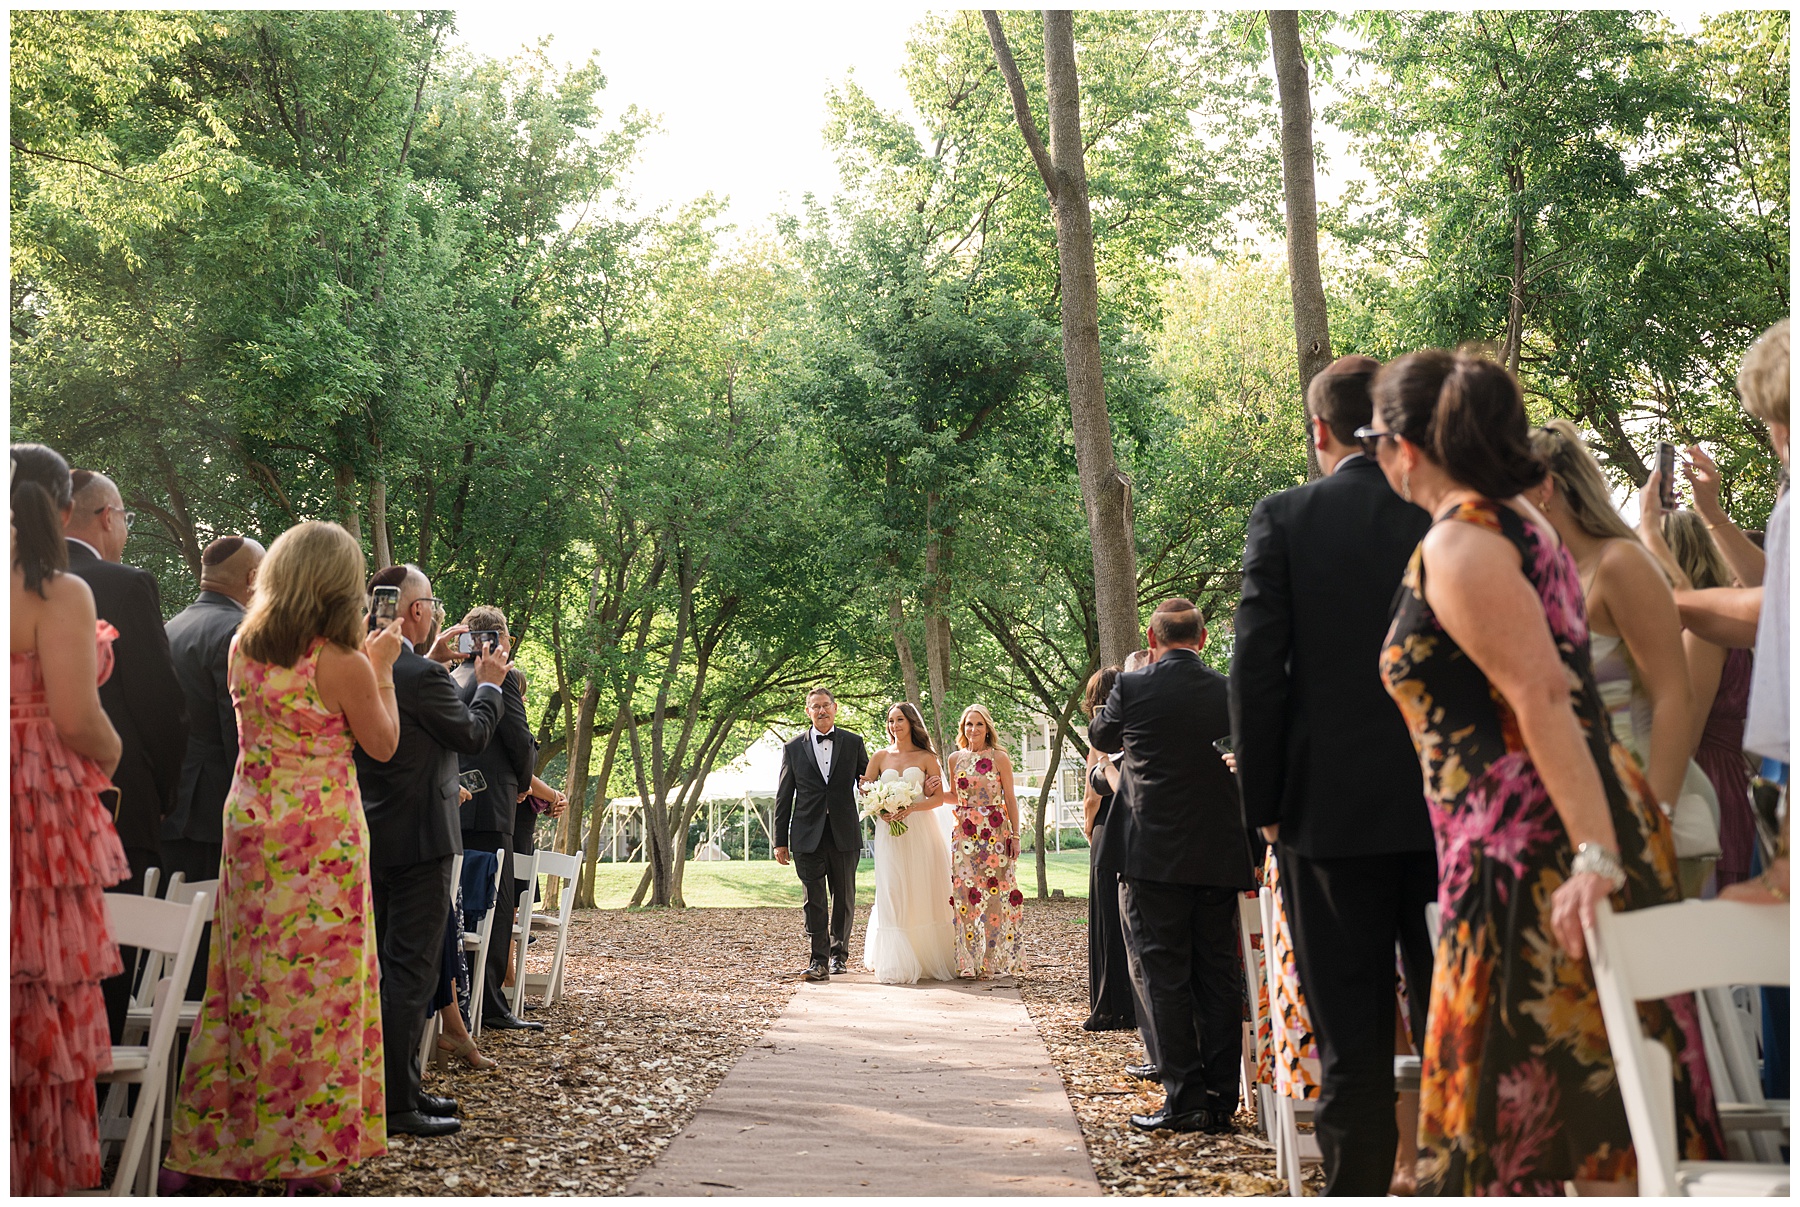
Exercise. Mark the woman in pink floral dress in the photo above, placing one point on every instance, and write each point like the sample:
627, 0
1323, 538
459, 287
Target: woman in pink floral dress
284, 1075
64, 848
984, 852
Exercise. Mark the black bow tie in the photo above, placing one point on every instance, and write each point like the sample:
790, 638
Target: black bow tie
825, 737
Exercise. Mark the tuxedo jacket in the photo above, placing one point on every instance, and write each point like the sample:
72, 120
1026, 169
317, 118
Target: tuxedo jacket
200, 645
505, 762
1321, 747
1176, 816
806, 807
142, 698
410, 800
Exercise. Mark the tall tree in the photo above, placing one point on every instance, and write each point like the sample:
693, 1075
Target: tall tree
1312, 331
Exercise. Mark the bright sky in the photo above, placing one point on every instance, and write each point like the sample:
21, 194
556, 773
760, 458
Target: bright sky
741, 92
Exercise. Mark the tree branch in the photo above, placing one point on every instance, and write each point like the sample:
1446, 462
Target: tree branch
1015, 85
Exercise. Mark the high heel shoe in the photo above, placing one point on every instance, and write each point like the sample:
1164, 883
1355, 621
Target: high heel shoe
169, 1181
467, 1052
327, 1184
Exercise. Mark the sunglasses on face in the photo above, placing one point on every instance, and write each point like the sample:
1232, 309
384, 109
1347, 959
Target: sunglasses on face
1370, 439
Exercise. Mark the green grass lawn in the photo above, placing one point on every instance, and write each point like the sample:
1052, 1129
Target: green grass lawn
765, 882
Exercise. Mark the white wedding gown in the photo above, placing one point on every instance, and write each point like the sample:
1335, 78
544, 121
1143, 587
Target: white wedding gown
911, 935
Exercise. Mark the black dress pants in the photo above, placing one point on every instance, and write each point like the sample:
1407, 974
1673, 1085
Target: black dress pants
828, 872
1347, 914
1109, 972
411, 902
490, 981
1188, 973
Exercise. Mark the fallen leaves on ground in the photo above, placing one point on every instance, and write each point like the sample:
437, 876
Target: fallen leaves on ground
1092, 1064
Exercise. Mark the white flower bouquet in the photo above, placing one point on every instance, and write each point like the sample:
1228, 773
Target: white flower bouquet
886, 797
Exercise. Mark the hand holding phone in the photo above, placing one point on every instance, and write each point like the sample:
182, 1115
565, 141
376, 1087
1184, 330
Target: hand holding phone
384, 608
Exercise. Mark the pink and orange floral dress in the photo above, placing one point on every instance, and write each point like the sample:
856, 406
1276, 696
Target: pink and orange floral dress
284, 1076
1518, 1092
65, 853
984, 880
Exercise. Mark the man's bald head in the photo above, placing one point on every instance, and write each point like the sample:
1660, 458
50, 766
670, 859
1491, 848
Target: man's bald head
98, 514
228, 566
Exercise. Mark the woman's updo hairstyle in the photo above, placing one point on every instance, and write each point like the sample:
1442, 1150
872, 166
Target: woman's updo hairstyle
1466, 413
40, 492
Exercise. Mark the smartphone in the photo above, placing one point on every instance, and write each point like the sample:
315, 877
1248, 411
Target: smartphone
474, 781
1222, 745
1665, 465
478, 639
386, 607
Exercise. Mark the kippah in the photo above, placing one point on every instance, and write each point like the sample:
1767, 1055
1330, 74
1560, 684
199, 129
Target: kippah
79, 479
221, 549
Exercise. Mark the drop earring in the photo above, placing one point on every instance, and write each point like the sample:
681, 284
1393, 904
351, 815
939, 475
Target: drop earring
1406, 485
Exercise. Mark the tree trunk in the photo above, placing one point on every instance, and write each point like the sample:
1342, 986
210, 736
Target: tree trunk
937, 628
909, 670
349, 511
590, 858
1105, 492
1050, 770
1510, 354
384, 551
1312, 332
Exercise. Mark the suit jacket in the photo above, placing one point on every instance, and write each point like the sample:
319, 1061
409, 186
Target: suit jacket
1176, 813
200, 644
142, 698
806, 806
410, 800
505, 763
1321, 748
525, 817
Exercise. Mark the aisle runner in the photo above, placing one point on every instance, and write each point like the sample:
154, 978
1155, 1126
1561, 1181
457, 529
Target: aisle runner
862, 1088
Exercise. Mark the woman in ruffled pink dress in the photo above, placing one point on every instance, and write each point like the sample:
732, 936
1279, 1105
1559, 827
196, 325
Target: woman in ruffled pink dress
65, 851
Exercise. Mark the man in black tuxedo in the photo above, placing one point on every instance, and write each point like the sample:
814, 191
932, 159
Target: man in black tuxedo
1185, 860
488, 817
411, 805
817, 826
1328, 771
142, 697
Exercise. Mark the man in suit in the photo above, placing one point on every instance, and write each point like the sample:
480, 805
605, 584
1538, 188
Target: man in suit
200, 644
817, 827
142, 698
1185, 860
411, 805
1328, 771
488, 817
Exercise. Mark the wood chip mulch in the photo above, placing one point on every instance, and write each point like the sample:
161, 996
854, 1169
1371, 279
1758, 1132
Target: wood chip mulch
1092, 1064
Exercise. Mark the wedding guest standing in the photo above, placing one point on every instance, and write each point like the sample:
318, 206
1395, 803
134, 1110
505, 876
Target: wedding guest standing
1187, 857
1109, 973
64, 848
984, 852
1539, 814
1329, 775
284, 1074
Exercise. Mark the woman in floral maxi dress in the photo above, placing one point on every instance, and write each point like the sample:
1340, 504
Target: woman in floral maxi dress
1488, 661
284, 1075
984, 852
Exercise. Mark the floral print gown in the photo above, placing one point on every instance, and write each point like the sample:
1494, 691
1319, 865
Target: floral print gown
65, 852
984, 860
1519, 1093
284, 1075
1287, 1056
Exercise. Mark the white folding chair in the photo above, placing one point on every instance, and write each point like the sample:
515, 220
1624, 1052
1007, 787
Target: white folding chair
476, 946
525, 868
1657, 953
1755, 1127
1249, 929
565, 868
181, 891
1293, 1150
167, 929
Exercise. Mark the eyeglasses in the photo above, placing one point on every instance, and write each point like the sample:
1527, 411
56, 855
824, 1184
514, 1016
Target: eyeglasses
130, 516
437, 605
1370, 439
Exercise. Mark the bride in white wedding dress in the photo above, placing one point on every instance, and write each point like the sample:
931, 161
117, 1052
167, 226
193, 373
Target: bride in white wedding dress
911, 935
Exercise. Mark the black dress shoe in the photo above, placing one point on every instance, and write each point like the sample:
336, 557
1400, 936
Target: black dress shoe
816, 971
412, 1123
431, 1104
510, 1022
1109, 1022
1162, 1120
839, 966
1144, 1072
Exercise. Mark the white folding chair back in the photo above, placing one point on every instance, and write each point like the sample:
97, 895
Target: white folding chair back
181, 891
477, 945
1657, 953
525, 868
1249, 929
1292, 1150
565, 868
1434, 923
170, 930
1755, 1127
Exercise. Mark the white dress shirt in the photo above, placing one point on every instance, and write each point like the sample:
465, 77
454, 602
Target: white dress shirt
822, 752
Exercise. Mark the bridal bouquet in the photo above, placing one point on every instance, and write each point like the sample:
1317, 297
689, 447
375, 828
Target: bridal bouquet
893, 792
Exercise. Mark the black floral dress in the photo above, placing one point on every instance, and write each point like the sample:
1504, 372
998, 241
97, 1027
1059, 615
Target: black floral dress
1519, 1092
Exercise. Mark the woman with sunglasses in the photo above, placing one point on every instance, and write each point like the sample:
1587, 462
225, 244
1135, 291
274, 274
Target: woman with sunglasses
1539, 813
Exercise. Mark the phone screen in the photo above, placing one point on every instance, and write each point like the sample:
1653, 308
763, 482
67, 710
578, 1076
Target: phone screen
1665, 465
387, 606
474, 781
